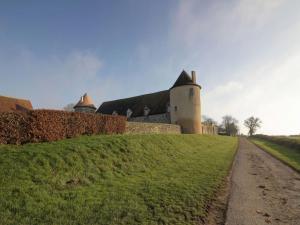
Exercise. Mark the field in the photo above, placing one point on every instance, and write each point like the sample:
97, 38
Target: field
282, 149
295, 137
117, 179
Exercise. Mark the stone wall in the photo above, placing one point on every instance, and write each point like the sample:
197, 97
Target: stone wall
159, 118
209, 129
154, 128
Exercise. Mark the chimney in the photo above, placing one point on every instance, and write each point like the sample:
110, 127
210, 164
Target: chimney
81, 99
194, 76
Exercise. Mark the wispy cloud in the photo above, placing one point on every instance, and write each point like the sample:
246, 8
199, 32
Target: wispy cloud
270, 92
252, 51
221, 20
246, 54
51, 82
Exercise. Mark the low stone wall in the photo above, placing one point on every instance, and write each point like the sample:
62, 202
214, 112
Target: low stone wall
154, 128
159, 118
209, 129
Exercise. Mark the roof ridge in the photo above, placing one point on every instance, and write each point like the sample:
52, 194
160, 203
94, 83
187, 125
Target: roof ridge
23, 99
121, 99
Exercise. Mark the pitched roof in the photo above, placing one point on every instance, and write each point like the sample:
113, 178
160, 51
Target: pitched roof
157, 103
85, 101
184, 79
14, 104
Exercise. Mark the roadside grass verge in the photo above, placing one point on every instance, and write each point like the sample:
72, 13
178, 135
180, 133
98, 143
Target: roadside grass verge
290, 156
117, 179
285, 141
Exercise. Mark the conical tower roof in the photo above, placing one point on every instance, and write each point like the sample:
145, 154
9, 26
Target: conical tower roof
184, 79
85, 101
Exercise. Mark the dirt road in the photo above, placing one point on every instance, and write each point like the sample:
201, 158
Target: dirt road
263, 190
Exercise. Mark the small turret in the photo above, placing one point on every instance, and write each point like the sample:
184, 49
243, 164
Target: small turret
85, 104
185, 103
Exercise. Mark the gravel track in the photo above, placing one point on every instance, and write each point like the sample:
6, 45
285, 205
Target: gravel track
263, 190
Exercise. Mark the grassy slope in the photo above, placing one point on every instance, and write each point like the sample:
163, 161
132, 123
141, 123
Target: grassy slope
288, 155
130, 179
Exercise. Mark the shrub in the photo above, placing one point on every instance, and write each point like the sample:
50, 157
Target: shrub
52, 125
13, 127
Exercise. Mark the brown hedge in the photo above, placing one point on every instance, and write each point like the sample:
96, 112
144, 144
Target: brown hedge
52, 125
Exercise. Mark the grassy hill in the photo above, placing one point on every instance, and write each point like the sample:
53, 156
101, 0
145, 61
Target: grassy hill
118, 179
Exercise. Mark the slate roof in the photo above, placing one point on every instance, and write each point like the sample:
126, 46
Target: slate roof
85, 101
184, 79
157, 102
8, 104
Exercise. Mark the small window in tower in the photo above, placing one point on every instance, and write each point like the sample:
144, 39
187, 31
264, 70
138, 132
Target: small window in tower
175, 108
191, 94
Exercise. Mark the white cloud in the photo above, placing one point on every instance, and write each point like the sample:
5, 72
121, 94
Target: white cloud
82, 65
230, 87
254, 13
265, 80
221, 20
270, 92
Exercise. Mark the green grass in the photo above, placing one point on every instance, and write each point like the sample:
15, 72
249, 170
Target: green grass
129, 179
288, 155
295, 137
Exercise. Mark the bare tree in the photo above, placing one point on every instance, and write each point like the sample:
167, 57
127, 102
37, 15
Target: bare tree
252, 123
208, 121
69, 107
230, 125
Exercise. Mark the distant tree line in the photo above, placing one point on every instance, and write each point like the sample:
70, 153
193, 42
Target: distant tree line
69, 107
229, 125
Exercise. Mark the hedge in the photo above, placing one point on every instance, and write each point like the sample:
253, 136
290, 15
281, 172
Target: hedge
281, 140
52, 125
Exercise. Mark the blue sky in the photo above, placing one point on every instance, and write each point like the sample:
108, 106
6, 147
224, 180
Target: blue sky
246, 53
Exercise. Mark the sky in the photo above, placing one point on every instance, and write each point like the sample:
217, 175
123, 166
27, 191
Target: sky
246, 53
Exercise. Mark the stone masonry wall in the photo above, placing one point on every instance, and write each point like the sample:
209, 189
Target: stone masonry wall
154, 128
159, 118
209, 129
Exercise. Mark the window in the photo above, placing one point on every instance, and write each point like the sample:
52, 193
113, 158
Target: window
129, 113
191, 93
175, 108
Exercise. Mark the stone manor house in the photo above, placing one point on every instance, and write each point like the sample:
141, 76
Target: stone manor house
179, 105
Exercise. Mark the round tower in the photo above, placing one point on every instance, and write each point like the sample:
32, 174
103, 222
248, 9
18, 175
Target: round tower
85, 104
185, 103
